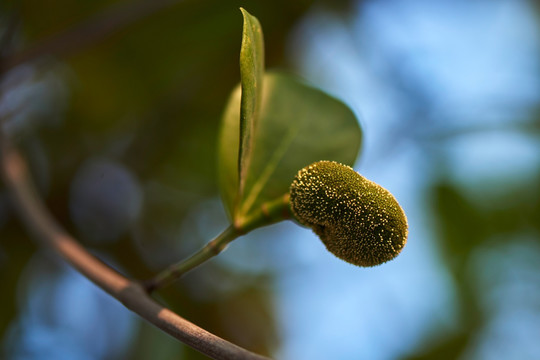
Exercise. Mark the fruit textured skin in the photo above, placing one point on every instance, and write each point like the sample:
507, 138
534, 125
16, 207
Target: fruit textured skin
357, 220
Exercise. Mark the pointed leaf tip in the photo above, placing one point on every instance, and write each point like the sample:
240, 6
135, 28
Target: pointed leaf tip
251, 74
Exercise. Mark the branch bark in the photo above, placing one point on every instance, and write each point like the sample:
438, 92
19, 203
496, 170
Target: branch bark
41, 223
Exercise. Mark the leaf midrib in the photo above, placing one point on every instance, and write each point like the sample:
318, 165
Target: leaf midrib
269, 169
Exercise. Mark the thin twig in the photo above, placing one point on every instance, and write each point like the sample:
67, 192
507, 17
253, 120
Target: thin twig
92, 30
269, 213
42, 224
175, 271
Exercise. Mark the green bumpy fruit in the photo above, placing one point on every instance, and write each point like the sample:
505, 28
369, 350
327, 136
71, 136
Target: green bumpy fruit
356, 219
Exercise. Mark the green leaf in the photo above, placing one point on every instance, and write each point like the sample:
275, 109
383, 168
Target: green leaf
251, 74
297, 125
228, 155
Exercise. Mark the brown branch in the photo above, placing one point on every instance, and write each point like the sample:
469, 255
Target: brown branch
41, 223
89, 32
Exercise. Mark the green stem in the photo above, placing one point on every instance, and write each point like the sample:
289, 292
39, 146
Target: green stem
210, 250
269, 213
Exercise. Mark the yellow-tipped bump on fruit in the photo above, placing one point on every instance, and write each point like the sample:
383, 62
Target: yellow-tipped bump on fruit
356, 219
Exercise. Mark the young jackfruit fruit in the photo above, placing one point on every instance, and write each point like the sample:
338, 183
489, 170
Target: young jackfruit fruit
356, 219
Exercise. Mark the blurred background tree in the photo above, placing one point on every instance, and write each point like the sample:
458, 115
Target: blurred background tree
121, 138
